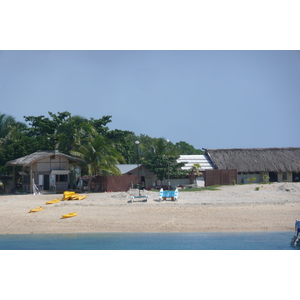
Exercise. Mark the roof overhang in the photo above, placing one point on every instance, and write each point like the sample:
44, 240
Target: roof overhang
60, 172
23, 173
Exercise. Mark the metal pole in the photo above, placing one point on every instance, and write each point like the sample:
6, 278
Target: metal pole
137, 147
168, 165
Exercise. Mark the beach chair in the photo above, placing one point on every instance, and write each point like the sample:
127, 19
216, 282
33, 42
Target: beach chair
139, 197
163, 195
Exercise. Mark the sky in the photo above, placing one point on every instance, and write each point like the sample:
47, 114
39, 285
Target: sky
209, 99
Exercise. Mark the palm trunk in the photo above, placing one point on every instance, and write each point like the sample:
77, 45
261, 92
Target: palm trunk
89, 184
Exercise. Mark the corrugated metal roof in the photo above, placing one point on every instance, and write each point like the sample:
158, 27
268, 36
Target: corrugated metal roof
203, 160
125, 168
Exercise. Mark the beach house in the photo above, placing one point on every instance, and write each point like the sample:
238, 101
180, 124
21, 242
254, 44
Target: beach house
48, 170
277, 164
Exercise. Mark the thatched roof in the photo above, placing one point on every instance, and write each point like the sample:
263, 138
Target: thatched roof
256, 159
33, 157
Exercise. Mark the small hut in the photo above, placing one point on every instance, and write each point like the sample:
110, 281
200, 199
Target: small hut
49, 170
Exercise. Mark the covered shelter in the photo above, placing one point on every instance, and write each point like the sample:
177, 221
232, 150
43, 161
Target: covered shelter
190, 160
146, 177
49, 170
203, 160
279, 164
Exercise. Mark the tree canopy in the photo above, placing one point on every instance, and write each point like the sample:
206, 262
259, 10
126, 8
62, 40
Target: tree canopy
90, 137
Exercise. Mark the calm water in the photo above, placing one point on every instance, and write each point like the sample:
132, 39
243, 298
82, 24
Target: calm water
150, 241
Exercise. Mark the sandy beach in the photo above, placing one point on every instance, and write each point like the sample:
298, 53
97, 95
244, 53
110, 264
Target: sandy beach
274, 207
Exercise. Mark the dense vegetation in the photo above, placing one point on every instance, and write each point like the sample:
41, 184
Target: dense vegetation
91, 140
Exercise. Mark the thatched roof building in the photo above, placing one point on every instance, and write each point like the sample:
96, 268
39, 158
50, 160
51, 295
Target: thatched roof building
48, 169
36, 156
256, 159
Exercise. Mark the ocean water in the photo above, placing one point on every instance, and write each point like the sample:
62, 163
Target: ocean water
150, 241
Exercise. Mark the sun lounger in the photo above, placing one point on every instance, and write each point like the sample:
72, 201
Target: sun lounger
163, 195
139, 197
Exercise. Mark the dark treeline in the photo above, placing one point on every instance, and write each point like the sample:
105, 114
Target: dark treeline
90, 139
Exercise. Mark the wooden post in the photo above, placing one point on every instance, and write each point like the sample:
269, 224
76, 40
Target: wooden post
14, 178
31, 183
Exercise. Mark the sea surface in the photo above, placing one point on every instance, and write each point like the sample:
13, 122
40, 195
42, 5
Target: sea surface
150, 241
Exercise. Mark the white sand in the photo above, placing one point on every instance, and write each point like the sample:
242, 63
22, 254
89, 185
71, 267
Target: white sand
233, 208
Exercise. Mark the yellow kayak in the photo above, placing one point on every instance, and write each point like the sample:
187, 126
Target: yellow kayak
73, 214
53, 201
67, 195
72, 196
36, 209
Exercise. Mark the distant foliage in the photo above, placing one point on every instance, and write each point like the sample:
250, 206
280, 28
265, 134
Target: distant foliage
183, 148
68, 133
165, 167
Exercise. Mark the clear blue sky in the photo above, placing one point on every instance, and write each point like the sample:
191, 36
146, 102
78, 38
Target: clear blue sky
210, 99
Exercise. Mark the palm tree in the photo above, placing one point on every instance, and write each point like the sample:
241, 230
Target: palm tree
194, 172
157, 147
10, 129
5, 122
72, 133
100, 157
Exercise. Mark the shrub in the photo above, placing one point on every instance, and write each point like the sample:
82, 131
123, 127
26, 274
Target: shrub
265, 178
251, 180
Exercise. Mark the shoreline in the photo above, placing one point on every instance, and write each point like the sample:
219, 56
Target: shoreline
239, 208
145, 233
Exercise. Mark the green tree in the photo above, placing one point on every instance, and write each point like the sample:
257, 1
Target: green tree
11, 140
100, 157
183, 148
100, 124
194, 172
43, 128
73, 132
160, 156
152, 147
9, 128
164, 166
123, 141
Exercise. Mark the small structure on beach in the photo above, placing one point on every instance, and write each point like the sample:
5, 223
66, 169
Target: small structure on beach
191, 160
275, 164
146, 178
49, 170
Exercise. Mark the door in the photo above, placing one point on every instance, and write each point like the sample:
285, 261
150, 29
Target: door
273, 176
46, 183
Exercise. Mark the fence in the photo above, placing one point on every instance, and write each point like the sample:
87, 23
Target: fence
220, 177
115, 183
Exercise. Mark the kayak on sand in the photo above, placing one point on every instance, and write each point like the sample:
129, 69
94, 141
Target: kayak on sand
53, 201
36, 209
73, 214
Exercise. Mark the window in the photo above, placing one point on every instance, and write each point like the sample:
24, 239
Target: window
60, 178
